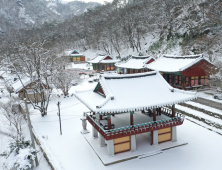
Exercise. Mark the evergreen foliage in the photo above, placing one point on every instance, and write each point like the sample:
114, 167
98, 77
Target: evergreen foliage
19, 156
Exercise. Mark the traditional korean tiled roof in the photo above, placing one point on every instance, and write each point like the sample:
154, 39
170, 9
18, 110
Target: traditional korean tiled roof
124, 93
135, 62
101, 59
169, 63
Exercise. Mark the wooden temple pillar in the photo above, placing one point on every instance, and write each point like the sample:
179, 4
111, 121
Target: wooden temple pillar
109, 121
189, 81
94, 131
199, 80
154, 114
131, 118
159, 111
173, 110
183, 82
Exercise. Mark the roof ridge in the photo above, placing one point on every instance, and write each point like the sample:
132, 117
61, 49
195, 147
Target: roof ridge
130, 75
141, 57
183, 57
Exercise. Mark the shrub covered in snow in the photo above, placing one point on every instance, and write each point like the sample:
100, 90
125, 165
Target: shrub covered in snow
19, 156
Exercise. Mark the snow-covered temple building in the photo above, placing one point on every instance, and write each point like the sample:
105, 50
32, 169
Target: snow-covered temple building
122, 107
103, 62
184, 72
75, 56
135, 64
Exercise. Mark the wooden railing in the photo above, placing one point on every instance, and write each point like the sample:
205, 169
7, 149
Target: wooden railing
138, 128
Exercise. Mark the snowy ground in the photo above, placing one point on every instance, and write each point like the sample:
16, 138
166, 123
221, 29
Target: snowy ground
4, 144
208, 94
71, 150
208, 108
85, 66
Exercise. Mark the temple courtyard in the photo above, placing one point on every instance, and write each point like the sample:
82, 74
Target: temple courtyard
202, 149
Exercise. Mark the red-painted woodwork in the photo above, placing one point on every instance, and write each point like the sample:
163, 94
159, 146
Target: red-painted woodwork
183, 85
108, 58
74, 52
100, 90
109, 121
82, 58
150, 61
134, 130
202, 68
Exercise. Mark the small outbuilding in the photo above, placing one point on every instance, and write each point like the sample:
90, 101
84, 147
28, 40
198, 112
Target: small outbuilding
135, 64
27, 86
122, 107
103, 62
184, 72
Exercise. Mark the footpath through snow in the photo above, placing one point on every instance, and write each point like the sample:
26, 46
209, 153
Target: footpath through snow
199, 114
208, 108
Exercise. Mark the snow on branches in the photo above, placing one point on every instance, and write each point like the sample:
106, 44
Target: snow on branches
40, 66
19, 156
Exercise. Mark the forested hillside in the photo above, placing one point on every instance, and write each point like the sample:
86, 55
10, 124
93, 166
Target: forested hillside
26, 14
153, 27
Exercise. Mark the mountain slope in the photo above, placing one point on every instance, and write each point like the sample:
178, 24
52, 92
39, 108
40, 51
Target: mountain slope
25, 14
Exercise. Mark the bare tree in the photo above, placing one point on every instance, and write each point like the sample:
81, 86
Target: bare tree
13, 118
40, 66
65, 79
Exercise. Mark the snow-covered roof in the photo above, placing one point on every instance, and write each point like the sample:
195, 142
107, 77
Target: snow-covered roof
101, 59
69, 53
76, 55
170, 63
133, 93
17, 86
135, 62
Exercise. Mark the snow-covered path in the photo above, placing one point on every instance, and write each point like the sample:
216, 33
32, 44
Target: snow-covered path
208, 108
199, 114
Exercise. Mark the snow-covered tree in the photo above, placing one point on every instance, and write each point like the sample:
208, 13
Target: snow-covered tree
13, 119
20, 155
38, 64
65, 79
216, 79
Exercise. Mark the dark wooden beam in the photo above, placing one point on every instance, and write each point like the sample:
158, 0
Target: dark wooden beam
131, 118
154, 114
173, 110
109, 121
183, 82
